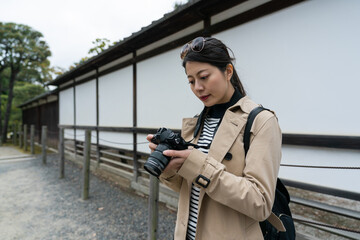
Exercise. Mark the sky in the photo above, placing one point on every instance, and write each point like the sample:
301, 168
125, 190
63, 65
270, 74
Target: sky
70, 26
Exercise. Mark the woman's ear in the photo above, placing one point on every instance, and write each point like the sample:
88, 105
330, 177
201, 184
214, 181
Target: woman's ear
229, 71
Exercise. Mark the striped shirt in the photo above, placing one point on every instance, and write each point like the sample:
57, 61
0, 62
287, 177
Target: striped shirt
204, 142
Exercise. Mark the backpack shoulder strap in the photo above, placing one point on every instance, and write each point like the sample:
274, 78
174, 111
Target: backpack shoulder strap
273, 219
248, 125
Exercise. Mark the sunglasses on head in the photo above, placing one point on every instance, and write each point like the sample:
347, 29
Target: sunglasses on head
196, 45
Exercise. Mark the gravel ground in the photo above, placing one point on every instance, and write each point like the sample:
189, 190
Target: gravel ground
36, 204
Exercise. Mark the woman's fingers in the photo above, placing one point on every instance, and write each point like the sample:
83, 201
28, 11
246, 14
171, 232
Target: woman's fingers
149, 137
177, 158
152, 146
176, 153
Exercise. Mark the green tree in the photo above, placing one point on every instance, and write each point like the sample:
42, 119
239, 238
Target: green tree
38, 73
178, 4
100, 45
23, 91
3, 66
4, 80
21, 48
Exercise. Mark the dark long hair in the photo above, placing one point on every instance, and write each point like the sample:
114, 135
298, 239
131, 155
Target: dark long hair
215, 53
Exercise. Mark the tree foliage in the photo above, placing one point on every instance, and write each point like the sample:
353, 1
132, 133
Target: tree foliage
178, 4
23, 91
100, 44
24, 52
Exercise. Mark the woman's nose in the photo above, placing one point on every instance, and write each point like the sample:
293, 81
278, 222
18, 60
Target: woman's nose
198, 86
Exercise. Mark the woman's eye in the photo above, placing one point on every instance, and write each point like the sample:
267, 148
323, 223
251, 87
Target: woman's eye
191, 82
203, 77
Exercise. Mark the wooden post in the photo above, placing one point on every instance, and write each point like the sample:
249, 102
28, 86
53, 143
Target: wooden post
98, 154
153, 208
43, 143
14, 134
62, 153
135, 160
86, 165
20, 136
32, 137
25, 137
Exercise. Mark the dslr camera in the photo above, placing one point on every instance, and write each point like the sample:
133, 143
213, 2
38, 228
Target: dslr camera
165, 139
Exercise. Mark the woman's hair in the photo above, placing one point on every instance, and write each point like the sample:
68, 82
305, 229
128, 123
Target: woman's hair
215, 53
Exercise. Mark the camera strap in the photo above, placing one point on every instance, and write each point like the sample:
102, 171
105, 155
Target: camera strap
200, 122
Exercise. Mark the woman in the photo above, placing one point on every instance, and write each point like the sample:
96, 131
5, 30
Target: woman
223, 195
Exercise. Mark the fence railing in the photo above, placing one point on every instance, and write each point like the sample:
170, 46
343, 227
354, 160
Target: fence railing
128, 164
21, 137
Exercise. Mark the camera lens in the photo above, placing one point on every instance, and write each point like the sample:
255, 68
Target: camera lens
157, 162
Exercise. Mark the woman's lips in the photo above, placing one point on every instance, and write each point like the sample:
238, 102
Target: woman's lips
203, 98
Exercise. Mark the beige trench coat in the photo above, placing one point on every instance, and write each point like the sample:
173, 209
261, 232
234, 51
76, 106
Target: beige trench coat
239, 192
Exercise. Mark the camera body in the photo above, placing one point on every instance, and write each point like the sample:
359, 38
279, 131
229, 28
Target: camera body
165, 139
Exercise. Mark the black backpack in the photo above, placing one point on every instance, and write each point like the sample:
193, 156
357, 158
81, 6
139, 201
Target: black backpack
282, 198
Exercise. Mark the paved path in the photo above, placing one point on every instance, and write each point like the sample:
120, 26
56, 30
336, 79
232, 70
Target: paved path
36, 204
11, 152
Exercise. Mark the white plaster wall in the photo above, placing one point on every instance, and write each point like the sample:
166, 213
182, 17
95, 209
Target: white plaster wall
116, 98
303, 62
116, 140
66, 111
344, 179
80, 135
86, 104
66, 107
164, 95
69, 134
143, 144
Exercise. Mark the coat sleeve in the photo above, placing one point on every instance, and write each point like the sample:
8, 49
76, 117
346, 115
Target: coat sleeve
172, 180
252, 193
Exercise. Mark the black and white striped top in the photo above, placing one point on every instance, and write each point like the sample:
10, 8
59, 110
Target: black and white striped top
204, 142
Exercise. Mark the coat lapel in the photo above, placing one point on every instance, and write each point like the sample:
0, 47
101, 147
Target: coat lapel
188, 126
229, 130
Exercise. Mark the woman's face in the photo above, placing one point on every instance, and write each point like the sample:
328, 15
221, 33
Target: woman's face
208, 83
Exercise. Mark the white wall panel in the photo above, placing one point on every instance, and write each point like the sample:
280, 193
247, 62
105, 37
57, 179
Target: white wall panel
116, 98
66, 107
164, 95
344, 179
303, 62
143, 144
116, 140
80, 135
69, 134
86, 104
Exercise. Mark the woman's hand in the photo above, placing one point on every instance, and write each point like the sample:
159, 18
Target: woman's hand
177, 159
152, 146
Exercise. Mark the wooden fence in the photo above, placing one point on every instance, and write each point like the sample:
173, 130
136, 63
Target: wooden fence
128, 165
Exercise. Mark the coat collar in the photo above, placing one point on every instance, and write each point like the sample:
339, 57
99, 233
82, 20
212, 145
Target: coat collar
231, 125
217, 110
229, 130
